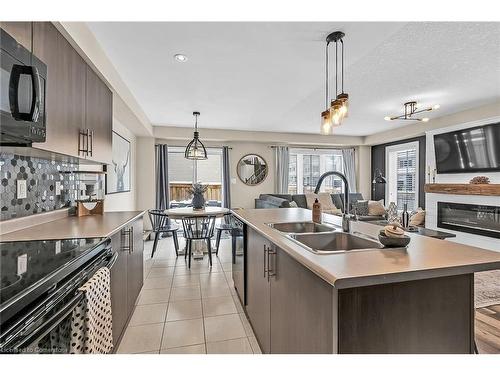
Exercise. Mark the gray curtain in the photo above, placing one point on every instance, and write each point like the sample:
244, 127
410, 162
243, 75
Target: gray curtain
226, 178
281, 164
350, 168
162, 186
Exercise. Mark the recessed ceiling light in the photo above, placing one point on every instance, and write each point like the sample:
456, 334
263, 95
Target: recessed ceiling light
387, 118
180, 57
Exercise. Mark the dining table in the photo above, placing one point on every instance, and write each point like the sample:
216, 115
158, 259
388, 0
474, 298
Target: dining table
189, 212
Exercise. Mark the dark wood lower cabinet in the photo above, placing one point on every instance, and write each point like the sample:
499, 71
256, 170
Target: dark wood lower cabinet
433, 316
135, 267
119, 305
301, 308
289, 307
258, 305
126, 275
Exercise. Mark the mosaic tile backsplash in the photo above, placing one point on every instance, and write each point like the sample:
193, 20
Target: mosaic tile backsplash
41, 176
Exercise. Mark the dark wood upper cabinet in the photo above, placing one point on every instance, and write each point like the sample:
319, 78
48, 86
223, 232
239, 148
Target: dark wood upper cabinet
65, 92
76, 98
20, 31
99, 117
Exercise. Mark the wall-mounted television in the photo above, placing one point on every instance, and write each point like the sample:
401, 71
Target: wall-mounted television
468, 150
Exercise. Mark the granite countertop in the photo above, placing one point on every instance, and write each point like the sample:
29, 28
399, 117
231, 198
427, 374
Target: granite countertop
75, 227
423, 258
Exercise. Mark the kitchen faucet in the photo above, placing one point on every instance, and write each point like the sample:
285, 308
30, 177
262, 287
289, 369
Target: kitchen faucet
346, 217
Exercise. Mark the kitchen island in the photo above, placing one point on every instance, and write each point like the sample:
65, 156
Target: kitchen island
417, 299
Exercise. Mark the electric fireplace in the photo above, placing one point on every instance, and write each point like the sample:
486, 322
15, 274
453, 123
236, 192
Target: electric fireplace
471, 218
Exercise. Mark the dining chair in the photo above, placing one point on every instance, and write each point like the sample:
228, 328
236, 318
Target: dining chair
226, 225
198, 228
161, 224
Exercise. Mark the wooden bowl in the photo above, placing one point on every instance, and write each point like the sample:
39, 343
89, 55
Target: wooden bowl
402, 241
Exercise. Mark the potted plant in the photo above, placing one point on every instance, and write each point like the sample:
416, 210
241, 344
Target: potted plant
198, 201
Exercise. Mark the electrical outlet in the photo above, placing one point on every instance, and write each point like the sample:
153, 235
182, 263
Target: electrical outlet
21, 189
22, 264
58, 187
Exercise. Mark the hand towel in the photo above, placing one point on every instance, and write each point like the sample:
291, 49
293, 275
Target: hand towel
91, 321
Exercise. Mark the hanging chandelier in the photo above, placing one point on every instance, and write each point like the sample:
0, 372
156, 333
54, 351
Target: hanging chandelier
337, 109
195, 150
411, 110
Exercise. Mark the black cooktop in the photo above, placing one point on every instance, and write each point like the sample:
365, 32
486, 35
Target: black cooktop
24, 264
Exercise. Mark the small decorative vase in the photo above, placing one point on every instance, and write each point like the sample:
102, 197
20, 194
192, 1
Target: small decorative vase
405, 217
198, 201
392, 213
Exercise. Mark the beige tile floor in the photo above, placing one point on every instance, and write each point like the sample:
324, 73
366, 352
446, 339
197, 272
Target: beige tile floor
191, 311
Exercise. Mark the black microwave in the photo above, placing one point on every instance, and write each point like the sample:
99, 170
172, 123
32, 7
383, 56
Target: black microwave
23, 79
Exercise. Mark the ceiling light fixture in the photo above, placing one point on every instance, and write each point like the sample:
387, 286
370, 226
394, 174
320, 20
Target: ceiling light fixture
195, 150
337, 109
180, 58
410, 110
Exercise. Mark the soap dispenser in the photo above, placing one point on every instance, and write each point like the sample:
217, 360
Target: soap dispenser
316, 214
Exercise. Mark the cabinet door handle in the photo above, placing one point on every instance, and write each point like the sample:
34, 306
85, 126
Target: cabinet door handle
265, 257
126, 235
90, 134
131, 240
271, 272
82, 143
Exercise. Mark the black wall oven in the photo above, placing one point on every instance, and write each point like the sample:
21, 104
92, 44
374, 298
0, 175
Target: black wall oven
22, 94
39, 289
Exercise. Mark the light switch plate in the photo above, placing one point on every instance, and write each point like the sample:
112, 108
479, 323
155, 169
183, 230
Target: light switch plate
21, 189
22, 264
58, 187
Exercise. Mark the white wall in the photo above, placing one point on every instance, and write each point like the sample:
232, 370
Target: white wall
124, 201
363, 170
241, 194
145, 176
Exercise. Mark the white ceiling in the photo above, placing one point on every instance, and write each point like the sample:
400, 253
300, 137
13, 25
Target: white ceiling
270, 76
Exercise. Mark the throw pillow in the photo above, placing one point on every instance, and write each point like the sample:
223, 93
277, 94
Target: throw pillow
417, 218
376, 208
293, 204
325, 199
360, 208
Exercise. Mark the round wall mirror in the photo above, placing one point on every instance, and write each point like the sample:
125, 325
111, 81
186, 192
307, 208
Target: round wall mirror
252, 169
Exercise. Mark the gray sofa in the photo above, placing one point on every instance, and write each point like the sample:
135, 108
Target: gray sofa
284, 200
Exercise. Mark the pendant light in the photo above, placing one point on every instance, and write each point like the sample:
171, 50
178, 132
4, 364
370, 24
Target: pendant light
326, 119
195, 150
338, 108
343, 97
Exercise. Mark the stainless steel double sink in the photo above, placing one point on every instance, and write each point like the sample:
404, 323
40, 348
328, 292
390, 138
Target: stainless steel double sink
324, 238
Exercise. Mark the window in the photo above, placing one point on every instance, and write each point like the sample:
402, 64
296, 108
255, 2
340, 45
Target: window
181, 174
402, 175
307, 165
